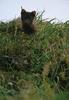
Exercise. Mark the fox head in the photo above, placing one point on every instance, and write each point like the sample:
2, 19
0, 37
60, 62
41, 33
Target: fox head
27, 17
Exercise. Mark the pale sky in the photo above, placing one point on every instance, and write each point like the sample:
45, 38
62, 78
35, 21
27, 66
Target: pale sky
10, 9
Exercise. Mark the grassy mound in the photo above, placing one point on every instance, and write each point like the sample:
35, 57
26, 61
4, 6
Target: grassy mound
34, 67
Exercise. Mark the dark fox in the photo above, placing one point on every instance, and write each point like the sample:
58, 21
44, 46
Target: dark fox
27, 19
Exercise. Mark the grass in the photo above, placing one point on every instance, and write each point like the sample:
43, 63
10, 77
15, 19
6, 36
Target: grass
34, 67
63, 96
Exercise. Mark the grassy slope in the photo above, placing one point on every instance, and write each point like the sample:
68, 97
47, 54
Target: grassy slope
31, 58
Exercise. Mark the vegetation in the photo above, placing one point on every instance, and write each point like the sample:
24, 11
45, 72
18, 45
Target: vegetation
34, 67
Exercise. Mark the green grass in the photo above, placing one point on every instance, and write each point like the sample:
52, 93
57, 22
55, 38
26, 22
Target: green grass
63, 96
34, 67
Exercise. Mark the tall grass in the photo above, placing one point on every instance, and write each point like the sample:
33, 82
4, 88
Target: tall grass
34, 67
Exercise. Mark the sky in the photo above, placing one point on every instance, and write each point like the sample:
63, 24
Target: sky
10, 9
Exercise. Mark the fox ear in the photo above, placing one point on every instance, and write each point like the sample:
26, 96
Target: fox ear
33, 13
23, 11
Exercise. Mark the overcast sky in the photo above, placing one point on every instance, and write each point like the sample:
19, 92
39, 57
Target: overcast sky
59, 9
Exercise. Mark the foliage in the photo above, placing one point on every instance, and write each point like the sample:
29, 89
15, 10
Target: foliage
36, 66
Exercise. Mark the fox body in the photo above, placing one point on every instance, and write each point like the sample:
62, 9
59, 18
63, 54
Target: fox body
27, 19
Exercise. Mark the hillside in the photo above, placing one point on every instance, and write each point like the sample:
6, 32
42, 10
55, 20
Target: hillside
34, 67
